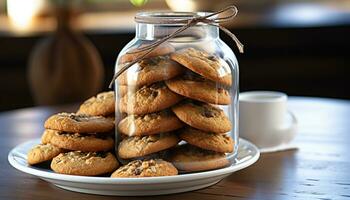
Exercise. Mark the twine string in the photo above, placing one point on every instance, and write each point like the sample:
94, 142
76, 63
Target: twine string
211, 19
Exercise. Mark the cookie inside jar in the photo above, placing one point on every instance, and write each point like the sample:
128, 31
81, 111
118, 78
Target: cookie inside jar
184, 95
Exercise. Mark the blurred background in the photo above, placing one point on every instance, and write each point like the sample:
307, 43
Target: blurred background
54, 53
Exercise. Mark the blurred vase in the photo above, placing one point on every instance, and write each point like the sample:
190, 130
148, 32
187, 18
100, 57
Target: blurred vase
65, 67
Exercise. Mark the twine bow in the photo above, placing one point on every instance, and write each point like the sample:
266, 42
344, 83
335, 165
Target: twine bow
210, 19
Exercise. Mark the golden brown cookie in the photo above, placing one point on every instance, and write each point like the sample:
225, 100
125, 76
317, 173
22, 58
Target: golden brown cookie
161, 50
82, 142
203, 116
198, 88
148, 99
79, 123
211, 141
42, 152
84, 163
207, 65
149, 168
188, 158
123, 89
148, 124
149, 71
138, 146
101, 104
47, 135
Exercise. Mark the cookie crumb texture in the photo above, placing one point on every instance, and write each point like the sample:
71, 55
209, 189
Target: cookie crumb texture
150, 168
84, 163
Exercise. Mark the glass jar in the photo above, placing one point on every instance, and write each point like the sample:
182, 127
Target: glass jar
179, 103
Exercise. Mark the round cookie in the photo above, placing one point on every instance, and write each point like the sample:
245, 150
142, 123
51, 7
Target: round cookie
200, 62
41, 153
149, 168
47, 135
188, 158
203, 116
138, 146
149, 71
198, 88
79, 123
161, 50
80, 142
102, 104
84, 163
206, 140
148, 124
148, 99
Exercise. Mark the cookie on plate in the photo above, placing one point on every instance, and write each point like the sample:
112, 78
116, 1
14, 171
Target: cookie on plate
161, 50
149, 71
79, 123
207, 65
188, 158
101, 104
207, 140
138, 146
47, 135
84, 163
198, 88
149, 168
42, 152
149, 99
203, 116
148, 124
82, 142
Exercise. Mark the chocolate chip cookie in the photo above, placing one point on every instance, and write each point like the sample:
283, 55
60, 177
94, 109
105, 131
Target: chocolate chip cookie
207, 65
82, 142
211, 141
198, 88
42, 152
148, 99
161, 50
203, 116
149, 71
101, 104
138, 146
79, 123
188, 158
148, 124
149, 168
84, 163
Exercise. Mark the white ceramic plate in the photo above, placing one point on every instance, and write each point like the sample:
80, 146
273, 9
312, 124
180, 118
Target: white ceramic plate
247, 155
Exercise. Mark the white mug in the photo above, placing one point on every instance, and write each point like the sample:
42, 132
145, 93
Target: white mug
264, 118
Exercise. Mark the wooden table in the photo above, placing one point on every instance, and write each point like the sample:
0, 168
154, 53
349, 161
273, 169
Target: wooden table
319, 169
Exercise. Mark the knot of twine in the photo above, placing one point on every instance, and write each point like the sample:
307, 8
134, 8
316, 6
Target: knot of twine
210, 19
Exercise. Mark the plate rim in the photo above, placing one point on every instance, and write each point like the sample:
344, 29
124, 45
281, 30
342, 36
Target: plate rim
123, 181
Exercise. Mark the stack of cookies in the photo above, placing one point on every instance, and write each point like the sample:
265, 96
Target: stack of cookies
82, 143
171, 96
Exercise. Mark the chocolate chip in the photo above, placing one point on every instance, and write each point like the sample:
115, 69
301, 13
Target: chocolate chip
208, 113
213, 58
138, 171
